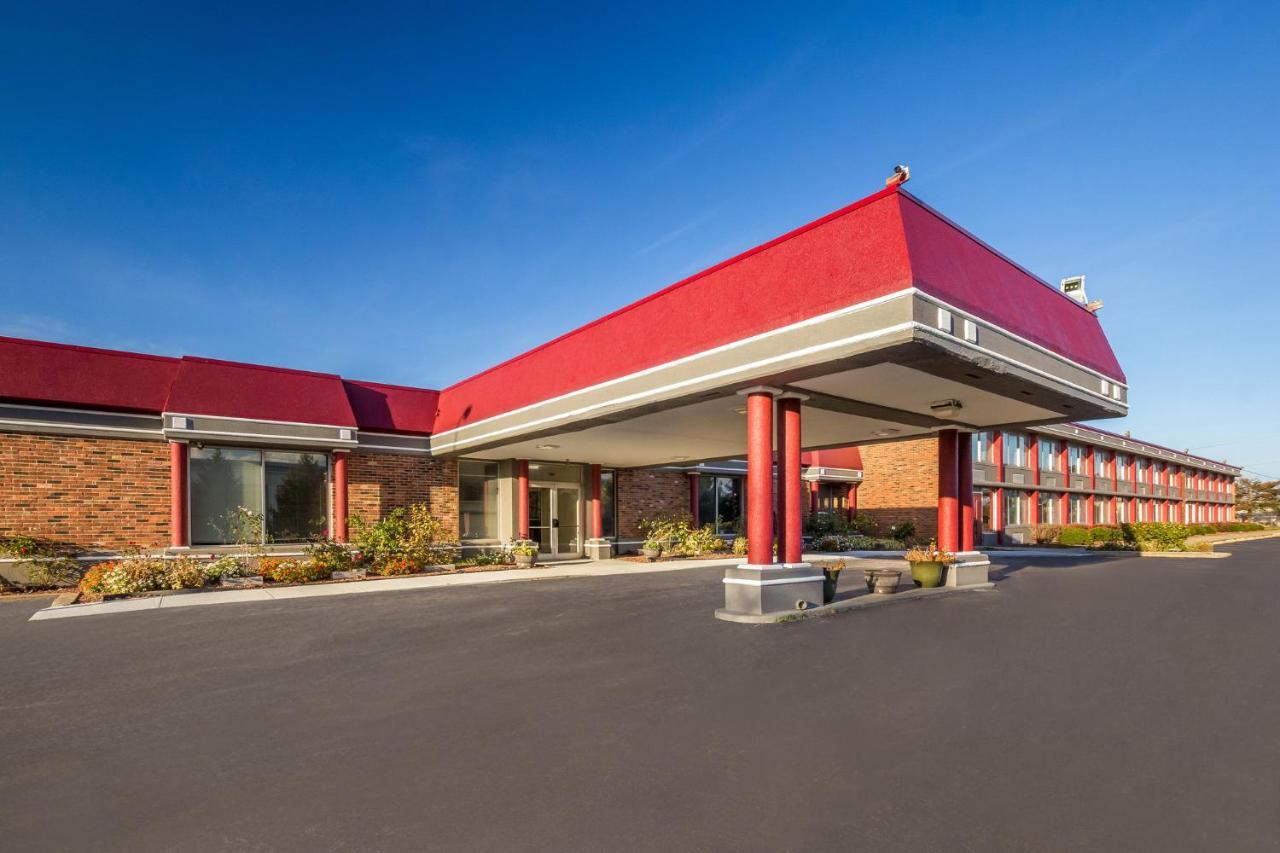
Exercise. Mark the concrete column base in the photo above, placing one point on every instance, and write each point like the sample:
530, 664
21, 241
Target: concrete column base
599, 549
775, 588
969, 569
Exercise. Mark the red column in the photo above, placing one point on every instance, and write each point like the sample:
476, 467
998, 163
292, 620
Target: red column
522, 499
693, 501
597, 513
853, 500
964, 452
1033, 459
340, 497
1089, 510
760, 476
178, 494
780, 480
1092, 469
813, 497
948, 486
790, 536
997, 450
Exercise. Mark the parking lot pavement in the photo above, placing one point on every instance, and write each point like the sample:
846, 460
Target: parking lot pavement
1116, 705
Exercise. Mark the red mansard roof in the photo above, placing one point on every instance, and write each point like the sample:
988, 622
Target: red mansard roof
83, 377
839, 457
223, 388
876, 246
392, 408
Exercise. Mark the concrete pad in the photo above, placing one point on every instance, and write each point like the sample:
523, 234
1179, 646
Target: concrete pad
124, 605
225, 596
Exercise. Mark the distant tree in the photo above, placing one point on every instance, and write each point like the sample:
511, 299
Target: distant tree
1254, 497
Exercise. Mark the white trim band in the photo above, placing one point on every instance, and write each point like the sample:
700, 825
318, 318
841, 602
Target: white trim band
772, 582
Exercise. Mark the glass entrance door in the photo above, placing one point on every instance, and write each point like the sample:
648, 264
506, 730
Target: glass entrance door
553, 521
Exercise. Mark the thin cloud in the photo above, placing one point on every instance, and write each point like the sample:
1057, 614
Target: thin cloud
676, 233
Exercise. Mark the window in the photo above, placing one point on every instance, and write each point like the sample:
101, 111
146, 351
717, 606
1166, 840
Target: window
1047, 507
720, 502
609, 503
982, 449
1144, 465
1122, 466
1015, 449
286, 490
1048, 454
1078, 509
1078, 458
984, 502
1015, 508
1122, 512
833, 497
477, 499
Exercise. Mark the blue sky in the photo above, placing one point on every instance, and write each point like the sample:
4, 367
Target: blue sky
445, 187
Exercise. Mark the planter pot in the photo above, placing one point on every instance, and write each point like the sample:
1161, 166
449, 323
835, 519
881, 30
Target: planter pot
525, 561
830, 580
927, 575
886, 581
651, 554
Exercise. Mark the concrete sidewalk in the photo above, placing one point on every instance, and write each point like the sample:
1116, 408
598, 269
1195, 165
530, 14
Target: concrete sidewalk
550, 571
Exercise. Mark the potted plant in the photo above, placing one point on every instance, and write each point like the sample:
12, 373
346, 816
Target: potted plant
525, 554
928, 565
830, 580
882, 581
652, 548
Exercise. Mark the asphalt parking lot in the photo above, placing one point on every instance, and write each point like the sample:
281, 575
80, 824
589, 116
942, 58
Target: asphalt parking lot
1123, 705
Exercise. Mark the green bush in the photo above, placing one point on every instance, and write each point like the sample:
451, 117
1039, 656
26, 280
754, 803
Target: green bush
406, 535
903, 531
183, 573
1102, 535
226, 566
330, 556
1046, 534
740, 546
828, 523
294, 571
1156, 535
1075, 536
135, 574
863, 525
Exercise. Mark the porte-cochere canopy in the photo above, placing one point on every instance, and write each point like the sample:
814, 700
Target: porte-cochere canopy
888, 318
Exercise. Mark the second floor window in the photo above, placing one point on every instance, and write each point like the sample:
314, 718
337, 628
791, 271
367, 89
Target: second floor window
1122, 462
1015, 449
1048, 452
982, 447
1078, 459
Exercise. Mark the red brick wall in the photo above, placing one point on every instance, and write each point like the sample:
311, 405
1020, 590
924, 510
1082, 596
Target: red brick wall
643, 492
380, 482
901, 484
93, 492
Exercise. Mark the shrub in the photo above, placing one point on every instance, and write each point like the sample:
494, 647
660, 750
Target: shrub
330, 556
133, 575
863, 525
828, 523
293, 571
1103, 534
1046, 534
183, 573
92, 582
829, 543
696, 542
740, 545
1073, 536
1156, 535
903, 531
226, 566
48, 563
397, 566
412, 534
665, 530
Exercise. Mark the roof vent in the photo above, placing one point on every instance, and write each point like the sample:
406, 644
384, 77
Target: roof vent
901, 174
1074, 287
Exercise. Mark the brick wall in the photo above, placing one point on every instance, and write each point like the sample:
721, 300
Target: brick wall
643, 492
93, 492
901, 484
380, 482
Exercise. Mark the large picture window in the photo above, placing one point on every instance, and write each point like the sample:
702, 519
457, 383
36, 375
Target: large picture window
287, 490
1079, 512
1047, 504
1078, 459
720, 502
1015, 508
981, 444
609, 503
477, 499
1048, 452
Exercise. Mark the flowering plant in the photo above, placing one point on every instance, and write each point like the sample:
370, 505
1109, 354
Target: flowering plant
931, 554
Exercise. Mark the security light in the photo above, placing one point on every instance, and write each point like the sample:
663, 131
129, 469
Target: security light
548, 447
946, 408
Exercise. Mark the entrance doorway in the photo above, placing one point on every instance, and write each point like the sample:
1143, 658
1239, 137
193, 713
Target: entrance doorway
553, 521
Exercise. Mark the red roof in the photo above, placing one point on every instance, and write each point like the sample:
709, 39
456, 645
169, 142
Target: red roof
229, 389
839, 457
876, 246
83, 377
392, 408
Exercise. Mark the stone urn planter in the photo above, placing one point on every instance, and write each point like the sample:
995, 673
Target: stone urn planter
526, 561
886, 581
650, 553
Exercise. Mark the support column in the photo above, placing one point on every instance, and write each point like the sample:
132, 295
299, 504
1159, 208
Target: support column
522, 499
853, 501
340, 532
597, 547
761, 587
693, 500
178, 495
948, 486
790, 529
964, 450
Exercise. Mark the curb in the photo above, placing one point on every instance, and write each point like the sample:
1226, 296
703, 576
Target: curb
859, 602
